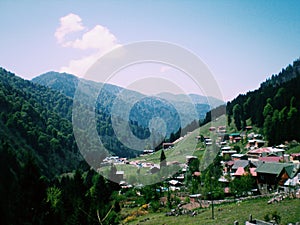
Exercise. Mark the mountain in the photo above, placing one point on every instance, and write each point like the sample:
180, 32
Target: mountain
274, 107
64, 82
196, 99
36, 120
184, 105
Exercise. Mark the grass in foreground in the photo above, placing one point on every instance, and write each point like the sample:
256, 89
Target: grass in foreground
288, 209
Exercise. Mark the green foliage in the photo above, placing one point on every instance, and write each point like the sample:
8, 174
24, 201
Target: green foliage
273, 216
237, 148
237, 116
155, 205
54, 198
38, 120
273, 107
240, 186
163, 162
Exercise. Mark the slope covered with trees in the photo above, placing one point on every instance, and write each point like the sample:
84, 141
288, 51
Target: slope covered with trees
274, 107
37, 120
167, 103
38, 155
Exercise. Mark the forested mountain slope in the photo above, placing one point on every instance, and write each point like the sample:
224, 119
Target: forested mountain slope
274, 107
37, 120
185, 104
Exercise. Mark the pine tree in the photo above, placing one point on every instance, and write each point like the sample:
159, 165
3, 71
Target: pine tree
163, 162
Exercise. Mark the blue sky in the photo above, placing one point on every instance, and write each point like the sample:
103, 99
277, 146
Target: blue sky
242, 42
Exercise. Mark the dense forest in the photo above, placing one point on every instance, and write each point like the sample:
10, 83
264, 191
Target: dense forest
39, 155
28, 197
44, 179
36, 119
167, 106
274, 107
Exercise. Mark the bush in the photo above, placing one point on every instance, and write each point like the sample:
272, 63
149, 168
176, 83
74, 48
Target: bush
155, 206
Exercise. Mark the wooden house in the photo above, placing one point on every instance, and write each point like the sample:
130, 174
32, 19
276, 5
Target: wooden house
271, 175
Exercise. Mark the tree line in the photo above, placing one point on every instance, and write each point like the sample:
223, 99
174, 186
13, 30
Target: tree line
274, 107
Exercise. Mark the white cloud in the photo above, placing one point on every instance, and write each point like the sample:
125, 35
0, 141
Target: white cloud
68, 24
98, 38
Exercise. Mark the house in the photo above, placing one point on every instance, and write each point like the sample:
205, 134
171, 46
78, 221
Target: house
262, 152
236, 157
292, 183
271, 175
240, 163
212, 129
254, 143
270, 158
226, 152
295, 157
148, 151
240, 172
167, 145
234, 137
208, 141
196, 174
222, 129
248, 128
175, 183
195, 197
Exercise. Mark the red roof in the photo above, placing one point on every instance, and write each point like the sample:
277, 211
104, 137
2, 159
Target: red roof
226, 190
259, 151
197, 174
295, 154
239, 172
252, 171
270, 159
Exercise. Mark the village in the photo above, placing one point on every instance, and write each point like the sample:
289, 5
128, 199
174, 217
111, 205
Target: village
275, 173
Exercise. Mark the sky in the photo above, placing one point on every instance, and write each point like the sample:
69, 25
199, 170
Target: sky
241, 42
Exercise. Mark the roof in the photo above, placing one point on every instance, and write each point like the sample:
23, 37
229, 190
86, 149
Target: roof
281, 146
255, 163
275, 168
277, 150
197, 174
234, 134
229, 152
259, 151
240, 163
174, 182
270, 159
240, 172
195, 196
253, 173
226, 190
238, 155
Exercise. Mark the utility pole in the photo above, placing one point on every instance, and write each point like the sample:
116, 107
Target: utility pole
212, 199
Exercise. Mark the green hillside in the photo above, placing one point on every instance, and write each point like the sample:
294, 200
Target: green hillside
274, 107
36, 120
